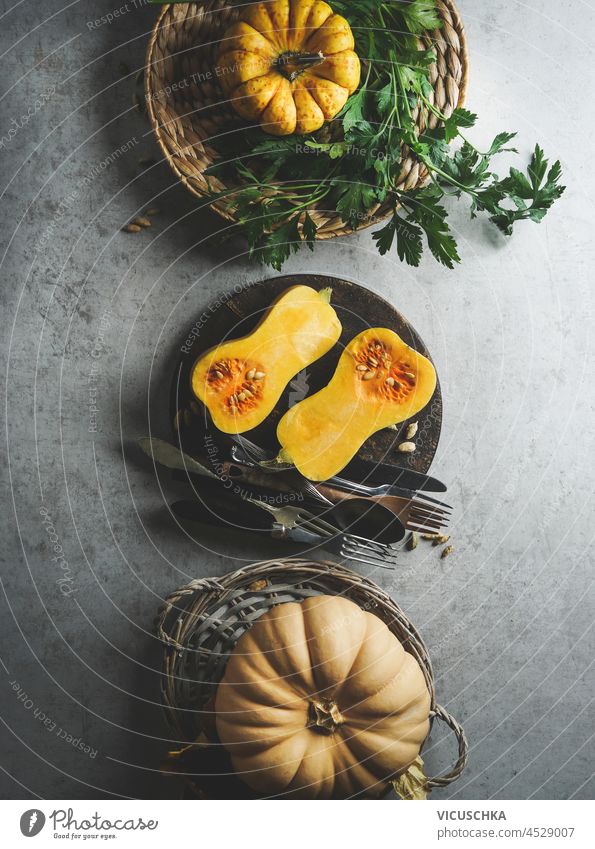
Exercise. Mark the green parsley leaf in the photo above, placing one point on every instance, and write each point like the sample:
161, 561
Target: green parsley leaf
460, 118
420, 15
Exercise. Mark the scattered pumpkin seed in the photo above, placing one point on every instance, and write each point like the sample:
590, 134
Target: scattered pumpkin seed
241, 396
373, 362
412, 541
259, 375
440, 539
247, 393
142, 222
250, 374
390, 381
411, 430
361, 367
410, 375
369, 375
132, 228
407, 447
446, 551
429, 536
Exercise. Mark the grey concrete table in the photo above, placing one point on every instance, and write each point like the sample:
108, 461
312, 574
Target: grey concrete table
91, 320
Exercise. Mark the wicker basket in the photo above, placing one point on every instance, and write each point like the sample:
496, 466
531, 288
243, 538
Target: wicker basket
188, 110
201, 623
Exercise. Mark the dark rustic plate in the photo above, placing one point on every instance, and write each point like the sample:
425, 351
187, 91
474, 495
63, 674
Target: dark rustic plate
236, 314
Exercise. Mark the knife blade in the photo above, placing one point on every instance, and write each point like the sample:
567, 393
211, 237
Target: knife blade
360, 471
226, 517
365, 471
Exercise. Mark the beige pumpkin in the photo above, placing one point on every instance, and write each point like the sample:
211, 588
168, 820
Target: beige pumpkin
288, 65
319, 700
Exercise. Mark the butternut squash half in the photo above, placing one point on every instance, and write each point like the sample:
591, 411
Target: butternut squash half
379, 381
241, 380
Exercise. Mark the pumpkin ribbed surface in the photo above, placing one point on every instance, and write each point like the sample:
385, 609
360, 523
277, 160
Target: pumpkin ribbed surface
288, 64
320, 700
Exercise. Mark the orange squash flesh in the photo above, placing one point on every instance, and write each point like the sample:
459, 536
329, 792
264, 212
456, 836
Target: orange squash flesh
241, 380
379, 381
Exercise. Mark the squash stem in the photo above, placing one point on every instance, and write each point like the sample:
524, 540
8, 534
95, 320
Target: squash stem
291, 63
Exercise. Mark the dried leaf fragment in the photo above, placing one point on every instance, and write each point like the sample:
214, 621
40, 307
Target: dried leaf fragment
440, 539
412, 541
412, 783
446, 551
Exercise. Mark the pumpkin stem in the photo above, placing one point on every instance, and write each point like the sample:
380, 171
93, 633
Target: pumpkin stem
325, 716
292, 63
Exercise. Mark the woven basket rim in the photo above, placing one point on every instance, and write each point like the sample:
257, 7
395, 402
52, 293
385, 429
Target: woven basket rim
177, 621
329, 223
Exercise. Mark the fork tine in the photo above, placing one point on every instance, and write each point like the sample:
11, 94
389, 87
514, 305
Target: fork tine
421, 496
424, 528
363, 542
363, 546
367, 561
428, 508
422, 519
435, 515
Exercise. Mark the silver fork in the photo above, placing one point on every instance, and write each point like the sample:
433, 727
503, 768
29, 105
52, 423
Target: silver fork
255, 454
346, 545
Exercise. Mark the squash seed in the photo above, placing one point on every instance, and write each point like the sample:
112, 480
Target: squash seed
446, 551
411, 430
218, 374
250, 374
132, 228
247, 393
412, 541
361, 367
369, 375
241, 396
407, 447
440, 539
142, 222
429, 536
410, 375
259, 375
390, 381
